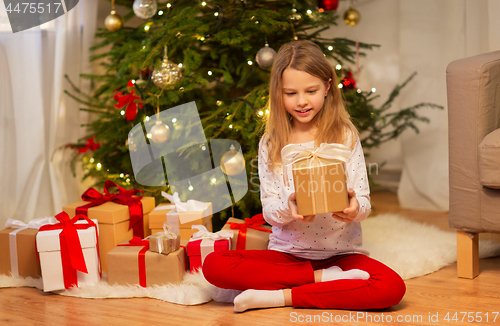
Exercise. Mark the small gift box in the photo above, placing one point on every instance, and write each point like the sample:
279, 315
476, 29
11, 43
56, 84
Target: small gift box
319, 177
18, 241
181, 215
203, 242
120, 216
68, 252
164, 242
132, 263
249, 234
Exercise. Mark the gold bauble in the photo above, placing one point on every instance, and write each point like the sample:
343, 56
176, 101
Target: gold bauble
113, 22
232, 162
352, 17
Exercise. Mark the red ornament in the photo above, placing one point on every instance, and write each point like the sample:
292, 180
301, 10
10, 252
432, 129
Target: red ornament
90, 145
348, 81
129, 101
328, 4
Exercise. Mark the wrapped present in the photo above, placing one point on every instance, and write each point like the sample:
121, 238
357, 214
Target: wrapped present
164, 242
68, 251
319, 177
181, 216
120, 215
249, 234
132, 263
20, 258
203, 242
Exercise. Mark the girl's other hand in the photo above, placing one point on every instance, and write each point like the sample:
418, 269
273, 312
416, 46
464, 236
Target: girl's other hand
350, 213
292, 203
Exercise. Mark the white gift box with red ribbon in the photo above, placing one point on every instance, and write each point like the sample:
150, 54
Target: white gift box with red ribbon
204, 242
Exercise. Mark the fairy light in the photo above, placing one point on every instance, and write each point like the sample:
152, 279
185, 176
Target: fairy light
309, 11
338, 67
330, 48
122, 112
203, 148
202, 39
214, 180
250, 62
203, 3
230, 126
374, 90
133, 81
267, 111
122, 175
216, 14
91, 160
359, 90
210, 72
261, 113
219, 103
340, 85
149, 135
127, 181
160, 12
169, 5
190, 188
98, 167
146, 118
146, 28
180, 65
174, 120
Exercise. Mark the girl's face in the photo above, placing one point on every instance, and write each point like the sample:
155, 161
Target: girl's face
303, 95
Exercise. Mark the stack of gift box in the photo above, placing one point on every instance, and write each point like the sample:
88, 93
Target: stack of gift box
124, 235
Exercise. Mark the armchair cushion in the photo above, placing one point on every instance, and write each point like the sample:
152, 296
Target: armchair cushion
489, 160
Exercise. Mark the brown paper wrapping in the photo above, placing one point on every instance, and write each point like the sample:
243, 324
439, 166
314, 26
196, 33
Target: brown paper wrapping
113, 222
158, 217
28, 264
321, 187
169, 245
256, 240
123, 266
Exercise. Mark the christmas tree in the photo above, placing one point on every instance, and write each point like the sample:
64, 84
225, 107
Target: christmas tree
217, 54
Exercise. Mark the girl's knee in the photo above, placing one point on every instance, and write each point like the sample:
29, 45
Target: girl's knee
212, 269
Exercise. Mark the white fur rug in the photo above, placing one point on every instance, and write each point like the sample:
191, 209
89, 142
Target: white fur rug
412, 249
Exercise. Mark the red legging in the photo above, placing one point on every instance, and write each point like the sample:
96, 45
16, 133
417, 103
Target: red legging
274, 270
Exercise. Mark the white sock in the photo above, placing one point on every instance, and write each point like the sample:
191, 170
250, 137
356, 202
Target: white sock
253, 299
336, 273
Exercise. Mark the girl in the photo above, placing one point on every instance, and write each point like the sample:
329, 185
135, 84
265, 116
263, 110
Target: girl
312, 261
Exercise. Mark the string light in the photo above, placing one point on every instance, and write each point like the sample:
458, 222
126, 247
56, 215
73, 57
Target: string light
203, 3
133, 81
122, 112
174, 120
190, 188
210, 73
330, 48
214, 180
122, 175
374, 90
160, 12
91, 160
146, 118
338, 67
359, 90
149, 135
250, 62
216, 14
261, 113
146, 28
169, 5
340, 85
203, 148
219, 103
180, 65
98, 166
230, 126
309, 11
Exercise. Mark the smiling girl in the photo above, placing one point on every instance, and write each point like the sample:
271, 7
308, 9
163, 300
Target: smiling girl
318, 260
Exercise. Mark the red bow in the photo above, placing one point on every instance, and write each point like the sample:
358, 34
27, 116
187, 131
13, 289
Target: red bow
252, 223
71, 250
129, 100
136, 241
123, 197
90, 145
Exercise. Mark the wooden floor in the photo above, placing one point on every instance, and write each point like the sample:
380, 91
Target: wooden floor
429, 300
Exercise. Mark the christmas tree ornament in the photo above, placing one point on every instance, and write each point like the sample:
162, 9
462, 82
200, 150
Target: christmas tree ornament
328, 4
166, 73
352, 17
160, 132
295, 16
113, 21
145, 9
129, 101
232, 162
90, 145
348, 81
265, 57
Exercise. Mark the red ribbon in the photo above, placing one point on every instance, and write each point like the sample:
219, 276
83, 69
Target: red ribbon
129, 101
90, 145
123, 197
252, 223
71, 250
136, 241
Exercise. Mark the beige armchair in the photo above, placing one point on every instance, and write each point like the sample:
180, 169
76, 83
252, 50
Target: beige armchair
473, 88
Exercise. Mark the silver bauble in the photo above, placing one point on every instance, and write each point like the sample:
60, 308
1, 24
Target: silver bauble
265, 57
232, 162
166, 73
145, 9
160, 133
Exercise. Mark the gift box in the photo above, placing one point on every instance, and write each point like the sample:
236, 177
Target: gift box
248, 234
132, 263
18, 241
114, 218
204, 242
68, 253
319, 177
164, 242
181, 215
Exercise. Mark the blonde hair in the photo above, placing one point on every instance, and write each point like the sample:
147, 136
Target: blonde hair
333, 121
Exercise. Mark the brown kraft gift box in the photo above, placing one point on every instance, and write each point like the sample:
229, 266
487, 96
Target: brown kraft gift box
123, 266
158, 217
28, 265
255, 239
321, 187
114, 220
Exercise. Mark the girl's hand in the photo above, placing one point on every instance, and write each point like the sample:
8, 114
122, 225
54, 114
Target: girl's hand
350, 213
292, 203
